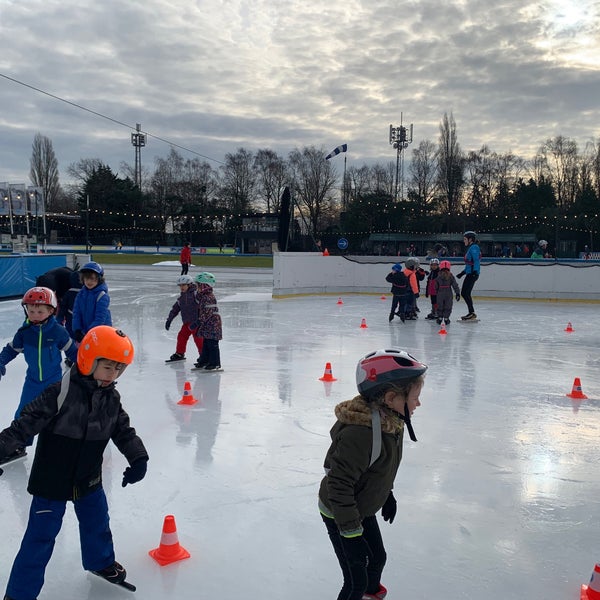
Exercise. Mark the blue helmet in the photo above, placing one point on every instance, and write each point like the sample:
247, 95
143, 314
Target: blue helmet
397, 268
93, 266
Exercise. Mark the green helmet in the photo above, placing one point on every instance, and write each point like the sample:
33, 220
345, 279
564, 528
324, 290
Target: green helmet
206, 277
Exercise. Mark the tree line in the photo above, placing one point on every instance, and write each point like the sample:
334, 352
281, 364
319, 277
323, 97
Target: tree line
555, 194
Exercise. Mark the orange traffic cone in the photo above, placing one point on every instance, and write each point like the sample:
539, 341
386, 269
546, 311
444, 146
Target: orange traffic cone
340, 301
576, 391
592, 590
327, 376
188, 397
325, 252
569, 327
442, 330
169, 550
383, 297
363, 324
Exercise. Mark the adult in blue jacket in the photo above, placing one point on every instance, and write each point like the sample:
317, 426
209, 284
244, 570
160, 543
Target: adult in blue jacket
92, 303
471, 270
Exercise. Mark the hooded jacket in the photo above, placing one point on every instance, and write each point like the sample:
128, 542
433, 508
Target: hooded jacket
91, 308
186, 304
351, 489
72, 437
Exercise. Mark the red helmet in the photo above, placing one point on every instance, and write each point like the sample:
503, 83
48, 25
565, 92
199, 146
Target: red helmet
40, 295
103, 341
445, 264
383, 367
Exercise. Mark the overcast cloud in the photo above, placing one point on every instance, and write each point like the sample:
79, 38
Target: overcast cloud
214, 76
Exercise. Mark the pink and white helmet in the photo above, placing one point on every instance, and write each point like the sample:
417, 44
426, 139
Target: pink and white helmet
383, 367
40, 295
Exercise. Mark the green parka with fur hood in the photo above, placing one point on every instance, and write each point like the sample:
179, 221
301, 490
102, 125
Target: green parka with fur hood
352, 490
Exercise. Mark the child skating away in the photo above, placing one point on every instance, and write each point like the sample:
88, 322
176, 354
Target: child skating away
92, 302
41, 340
471, 270
75, 420
399, 289
446, 286
410, 307
361, 466
434, 271
209, 324
187, 305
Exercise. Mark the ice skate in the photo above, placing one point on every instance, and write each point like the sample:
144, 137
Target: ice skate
175, 357
199, 365
391, 317
116, 574
439, 320
213, 368
380, 594
431, 316
447, 321
470, 317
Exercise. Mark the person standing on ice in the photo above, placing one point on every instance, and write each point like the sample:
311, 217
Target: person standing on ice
75, 419
187, 305
445, 287
361, 465
471, 270
185, 258
208, 325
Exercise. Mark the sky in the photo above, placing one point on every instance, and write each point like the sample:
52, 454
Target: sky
212, 76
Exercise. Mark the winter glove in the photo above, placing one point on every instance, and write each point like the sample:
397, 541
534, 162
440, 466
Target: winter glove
461, 275
388, 510
426, 295
457, 297
168, 325
78, 335
136, 472
417, 295
475, 276
356, 550
2, 371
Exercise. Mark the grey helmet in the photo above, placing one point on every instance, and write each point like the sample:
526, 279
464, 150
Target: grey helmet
411, 262
185, 280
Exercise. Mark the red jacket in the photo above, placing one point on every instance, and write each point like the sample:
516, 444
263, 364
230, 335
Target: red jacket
186, 255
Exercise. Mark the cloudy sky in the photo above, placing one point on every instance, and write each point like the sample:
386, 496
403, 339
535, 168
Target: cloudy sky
216, 75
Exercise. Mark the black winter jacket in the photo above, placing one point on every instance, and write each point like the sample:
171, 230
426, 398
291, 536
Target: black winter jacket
72, 439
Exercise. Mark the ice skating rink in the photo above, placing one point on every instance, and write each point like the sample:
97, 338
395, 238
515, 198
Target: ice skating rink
499, 499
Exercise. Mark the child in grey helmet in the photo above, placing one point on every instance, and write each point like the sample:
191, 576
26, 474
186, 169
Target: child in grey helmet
361, 466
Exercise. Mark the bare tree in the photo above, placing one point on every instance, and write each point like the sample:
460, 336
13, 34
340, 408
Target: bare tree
423, 171
272, 176
43, 170
562, 161
450, 164
238, 181
314, 182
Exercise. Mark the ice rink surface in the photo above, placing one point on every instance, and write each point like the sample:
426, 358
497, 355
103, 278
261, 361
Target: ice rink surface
499, 499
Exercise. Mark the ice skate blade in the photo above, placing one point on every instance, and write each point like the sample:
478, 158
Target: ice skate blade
9, 460
203, 370
124, 584
468, 320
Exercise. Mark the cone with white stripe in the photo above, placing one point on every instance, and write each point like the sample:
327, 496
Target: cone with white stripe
592, 590
169, 550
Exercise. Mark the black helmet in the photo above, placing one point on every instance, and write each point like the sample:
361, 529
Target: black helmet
470, 235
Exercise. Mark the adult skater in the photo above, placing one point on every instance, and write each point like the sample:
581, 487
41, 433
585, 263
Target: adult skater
471, 270
361, 466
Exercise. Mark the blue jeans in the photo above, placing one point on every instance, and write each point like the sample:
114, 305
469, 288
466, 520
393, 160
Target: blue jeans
45, 520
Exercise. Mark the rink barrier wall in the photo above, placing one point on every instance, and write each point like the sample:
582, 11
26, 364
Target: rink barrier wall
18, 272
311, 273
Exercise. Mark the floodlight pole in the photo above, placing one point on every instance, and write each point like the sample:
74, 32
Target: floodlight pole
139, 141
400, 138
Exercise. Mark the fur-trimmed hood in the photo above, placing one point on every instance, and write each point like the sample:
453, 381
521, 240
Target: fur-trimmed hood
358, 412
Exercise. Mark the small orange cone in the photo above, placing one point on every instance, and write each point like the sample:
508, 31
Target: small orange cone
592, 590
327, 376
188, 397
325, 252
340, 301
169, 550
576, 391
569, 327
363, 324
383, 297
442, 330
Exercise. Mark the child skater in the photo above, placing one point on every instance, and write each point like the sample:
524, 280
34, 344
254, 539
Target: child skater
434, 271
410, 267
399, 289
187, 305
91, 307
75, 420
361, 466
471, 270
40, 339
209, 324
445, 284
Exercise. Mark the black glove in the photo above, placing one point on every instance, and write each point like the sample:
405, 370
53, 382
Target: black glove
388, 510
457, 297
68, 362
168, 325
356, 550
136, 472
417, 295
78, 335
475, 276
461, 275
2, 371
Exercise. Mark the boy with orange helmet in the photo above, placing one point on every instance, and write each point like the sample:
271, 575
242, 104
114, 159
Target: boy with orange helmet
75, 420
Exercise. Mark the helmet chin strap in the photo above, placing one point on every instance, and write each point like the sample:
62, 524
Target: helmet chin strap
406, 418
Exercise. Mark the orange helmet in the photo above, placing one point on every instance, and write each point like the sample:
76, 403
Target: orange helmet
106, 342
40, 295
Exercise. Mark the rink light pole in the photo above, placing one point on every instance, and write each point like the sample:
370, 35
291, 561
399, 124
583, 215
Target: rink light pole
400, 138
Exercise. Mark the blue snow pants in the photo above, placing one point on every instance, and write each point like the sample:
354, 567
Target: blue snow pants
45, 520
